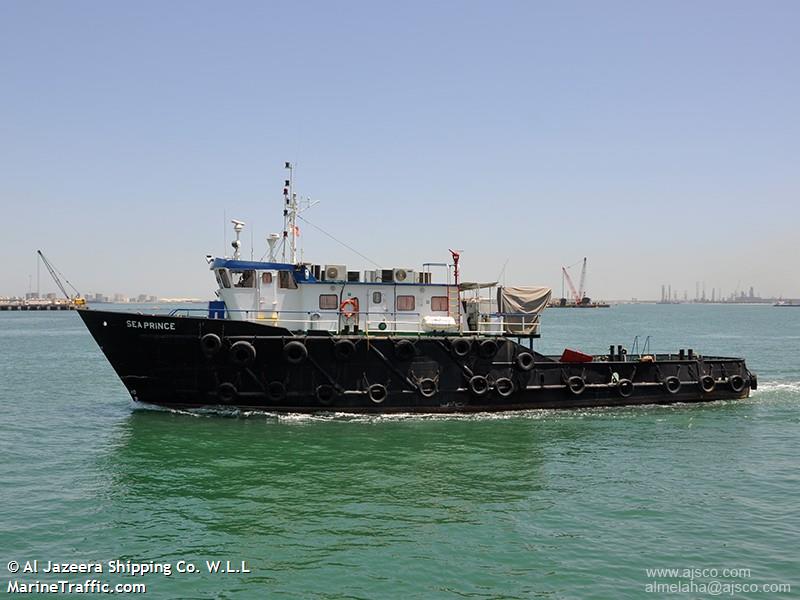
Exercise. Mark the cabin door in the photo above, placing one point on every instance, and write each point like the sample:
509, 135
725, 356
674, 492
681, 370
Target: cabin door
378, 316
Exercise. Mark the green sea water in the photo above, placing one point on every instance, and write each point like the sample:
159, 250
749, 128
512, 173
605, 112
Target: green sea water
542, 504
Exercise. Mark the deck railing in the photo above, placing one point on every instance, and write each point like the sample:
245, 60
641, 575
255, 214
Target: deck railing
379, 322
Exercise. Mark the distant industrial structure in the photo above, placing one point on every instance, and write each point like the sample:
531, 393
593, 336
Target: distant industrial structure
668, 296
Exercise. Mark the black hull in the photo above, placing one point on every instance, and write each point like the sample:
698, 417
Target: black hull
178, 362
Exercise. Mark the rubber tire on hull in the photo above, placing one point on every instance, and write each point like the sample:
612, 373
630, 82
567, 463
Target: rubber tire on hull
276, 391
524, 361
242, 353
737, 383
576, 385
211, 344
325, 394
227, 393
504, 387
478, 385
672, 384
377, 393
343, 350
487, 348
625, 388
404, 350
707, 384
427, 387
295, 352
461, 347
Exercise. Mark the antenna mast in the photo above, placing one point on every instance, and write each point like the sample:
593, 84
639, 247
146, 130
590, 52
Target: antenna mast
289, 215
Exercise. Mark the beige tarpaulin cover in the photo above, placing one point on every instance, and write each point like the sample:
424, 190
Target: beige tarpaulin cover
528, 302
469, 285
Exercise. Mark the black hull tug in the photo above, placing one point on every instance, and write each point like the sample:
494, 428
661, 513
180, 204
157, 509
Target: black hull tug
289, 336
186, 362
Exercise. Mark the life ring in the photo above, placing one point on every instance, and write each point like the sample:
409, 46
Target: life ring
295, 352
325, 394
625, 388
377, 392
576, 385
737, 383
461, 346
352, 303
504, 387
478, 385
707, 384
242, 353
227, 393
427, 387
343, 349
211, 344
487, 348
276, 391
672, 384
524, 361
404, 349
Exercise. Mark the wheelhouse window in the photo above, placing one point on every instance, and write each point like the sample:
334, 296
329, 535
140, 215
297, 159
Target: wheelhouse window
266, 278
328, 301
223, 279
439, 303
406, 303
287, 280
244, 279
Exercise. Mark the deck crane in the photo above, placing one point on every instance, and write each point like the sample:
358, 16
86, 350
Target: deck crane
77, 299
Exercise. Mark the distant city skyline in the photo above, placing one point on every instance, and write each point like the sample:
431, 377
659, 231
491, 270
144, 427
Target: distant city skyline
659, 140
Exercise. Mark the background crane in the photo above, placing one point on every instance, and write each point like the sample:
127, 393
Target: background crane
565, 275
77, 299
577, 295
581, 288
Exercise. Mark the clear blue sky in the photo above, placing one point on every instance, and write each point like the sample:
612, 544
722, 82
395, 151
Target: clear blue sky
660, 139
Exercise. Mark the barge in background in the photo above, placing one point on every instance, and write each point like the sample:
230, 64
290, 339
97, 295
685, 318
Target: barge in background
289, 336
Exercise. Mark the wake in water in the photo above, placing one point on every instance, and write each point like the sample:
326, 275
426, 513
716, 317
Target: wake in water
768, 391
769, 387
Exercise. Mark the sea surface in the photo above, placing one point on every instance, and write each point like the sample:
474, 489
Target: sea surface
542, 504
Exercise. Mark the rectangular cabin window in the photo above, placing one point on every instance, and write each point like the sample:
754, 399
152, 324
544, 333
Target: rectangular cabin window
244, 279
223, 278
406, 303
266, 278
287, 280
328, 301
377, 297
439, 303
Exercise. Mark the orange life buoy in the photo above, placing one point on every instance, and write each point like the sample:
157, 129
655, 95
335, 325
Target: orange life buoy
349, 307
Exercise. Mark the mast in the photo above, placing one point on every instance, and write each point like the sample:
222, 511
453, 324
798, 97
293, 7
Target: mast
289, 216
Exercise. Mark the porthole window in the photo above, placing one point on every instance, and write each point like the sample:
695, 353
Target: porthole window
377, 297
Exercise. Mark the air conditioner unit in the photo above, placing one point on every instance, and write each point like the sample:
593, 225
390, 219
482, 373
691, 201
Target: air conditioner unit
403, 275
335, 273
